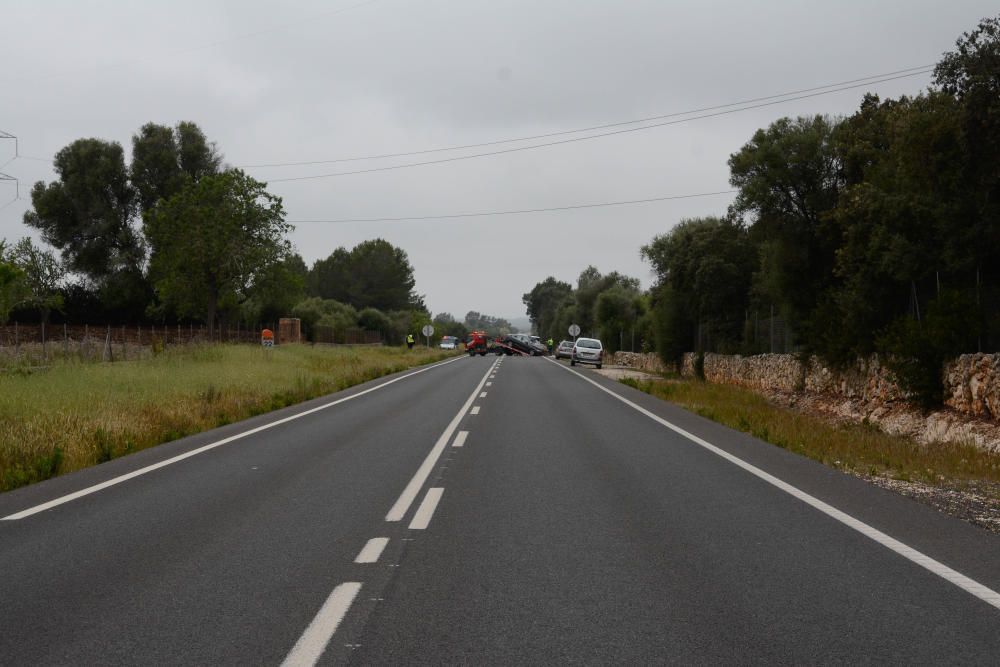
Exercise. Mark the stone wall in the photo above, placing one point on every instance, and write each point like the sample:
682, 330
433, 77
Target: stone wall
972, 385
971, 382
868, 392
642, 361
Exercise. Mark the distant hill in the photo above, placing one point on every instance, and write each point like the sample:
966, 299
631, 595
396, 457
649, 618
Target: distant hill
522, 324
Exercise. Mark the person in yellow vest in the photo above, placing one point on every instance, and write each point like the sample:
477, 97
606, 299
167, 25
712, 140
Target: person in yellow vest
409, 341
550, 343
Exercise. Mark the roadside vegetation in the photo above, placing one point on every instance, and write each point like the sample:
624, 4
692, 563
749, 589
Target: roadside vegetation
74, 415
857, 448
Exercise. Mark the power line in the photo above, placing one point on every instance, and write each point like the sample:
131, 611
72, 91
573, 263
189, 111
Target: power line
922, 69
593, 136
514, 212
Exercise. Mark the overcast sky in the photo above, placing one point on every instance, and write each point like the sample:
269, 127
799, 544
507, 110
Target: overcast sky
301, 81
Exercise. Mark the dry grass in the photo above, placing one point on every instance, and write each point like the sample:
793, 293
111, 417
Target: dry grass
73, 415
857, 448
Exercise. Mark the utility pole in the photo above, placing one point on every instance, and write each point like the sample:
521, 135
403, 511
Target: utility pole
8, 177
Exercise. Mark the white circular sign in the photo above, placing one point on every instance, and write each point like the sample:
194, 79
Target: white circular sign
428, 330
574, 330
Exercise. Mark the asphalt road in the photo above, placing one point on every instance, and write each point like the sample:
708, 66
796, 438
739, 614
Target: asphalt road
579, 521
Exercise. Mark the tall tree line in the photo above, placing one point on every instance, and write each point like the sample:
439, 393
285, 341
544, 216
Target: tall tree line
879, 232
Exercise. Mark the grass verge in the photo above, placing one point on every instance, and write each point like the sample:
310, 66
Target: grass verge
857, 448
74, 415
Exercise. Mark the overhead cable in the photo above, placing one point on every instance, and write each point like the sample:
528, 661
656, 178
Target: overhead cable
914, 70
586, 138
514, 212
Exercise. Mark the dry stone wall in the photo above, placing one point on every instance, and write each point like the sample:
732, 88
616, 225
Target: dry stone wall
642, 361
869, 391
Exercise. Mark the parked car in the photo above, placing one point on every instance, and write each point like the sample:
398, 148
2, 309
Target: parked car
448, 343
564, 350
587, 351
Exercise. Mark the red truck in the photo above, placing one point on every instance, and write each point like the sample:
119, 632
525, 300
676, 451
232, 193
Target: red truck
478, 342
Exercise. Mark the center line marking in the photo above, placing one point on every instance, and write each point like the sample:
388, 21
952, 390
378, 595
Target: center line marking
372, 550
312, 643
482, 394
489, 384
422, 518
402, 505
474, 411
460, 439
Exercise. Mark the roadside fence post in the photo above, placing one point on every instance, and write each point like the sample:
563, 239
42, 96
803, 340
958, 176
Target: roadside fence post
109, 354
124, 349
17, 341
65, 343
45, 350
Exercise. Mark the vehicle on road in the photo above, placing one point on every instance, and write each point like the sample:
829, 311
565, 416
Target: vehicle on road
564, 349
587, 351
448, 343
523, 343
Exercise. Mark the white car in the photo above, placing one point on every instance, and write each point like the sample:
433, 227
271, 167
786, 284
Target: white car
587, 351
448, 343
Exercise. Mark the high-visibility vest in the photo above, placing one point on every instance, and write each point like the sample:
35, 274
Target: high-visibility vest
409, 338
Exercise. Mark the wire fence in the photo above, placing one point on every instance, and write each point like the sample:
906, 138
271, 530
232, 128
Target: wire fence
42, 342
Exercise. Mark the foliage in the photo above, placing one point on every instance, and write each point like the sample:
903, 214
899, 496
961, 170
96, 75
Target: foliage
373, 274
214, 241
543, 303
494, 326
43, 276
88, 212
13, 284
704, 267
164, 159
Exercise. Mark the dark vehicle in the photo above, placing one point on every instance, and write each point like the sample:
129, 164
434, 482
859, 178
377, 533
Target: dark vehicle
523, 343
587, 351
564, 350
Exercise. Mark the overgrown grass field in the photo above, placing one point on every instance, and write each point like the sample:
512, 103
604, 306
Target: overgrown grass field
853, 447
74, 415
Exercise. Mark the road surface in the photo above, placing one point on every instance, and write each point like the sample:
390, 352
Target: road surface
485, 511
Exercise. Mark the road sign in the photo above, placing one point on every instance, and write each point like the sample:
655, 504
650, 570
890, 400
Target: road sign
428, 330
574, 330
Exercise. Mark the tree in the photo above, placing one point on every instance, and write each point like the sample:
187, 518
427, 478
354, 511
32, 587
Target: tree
278, 290
43, 277
788, 180
381, 277
13, 285
589, 286
215, 240
88, 212
331, 278
704, 268
543, 303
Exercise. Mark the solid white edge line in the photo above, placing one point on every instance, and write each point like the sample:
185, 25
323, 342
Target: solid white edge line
460, 439
372, 550
475, 410
424, 514
308, 650
194, 452
402, 504
971, 586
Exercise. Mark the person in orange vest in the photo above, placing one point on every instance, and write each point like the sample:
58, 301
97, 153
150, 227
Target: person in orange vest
409, 341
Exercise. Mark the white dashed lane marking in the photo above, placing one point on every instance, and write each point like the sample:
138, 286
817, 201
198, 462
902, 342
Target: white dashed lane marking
372, 550
422, 518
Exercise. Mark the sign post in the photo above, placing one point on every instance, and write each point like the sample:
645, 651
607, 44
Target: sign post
574, 330
427, 331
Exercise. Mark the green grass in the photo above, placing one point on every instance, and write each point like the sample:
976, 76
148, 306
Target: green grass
73, 415
859, 448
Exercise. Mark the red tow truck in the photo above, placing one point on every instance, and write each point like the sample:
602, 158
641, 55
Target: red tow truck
478, 342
